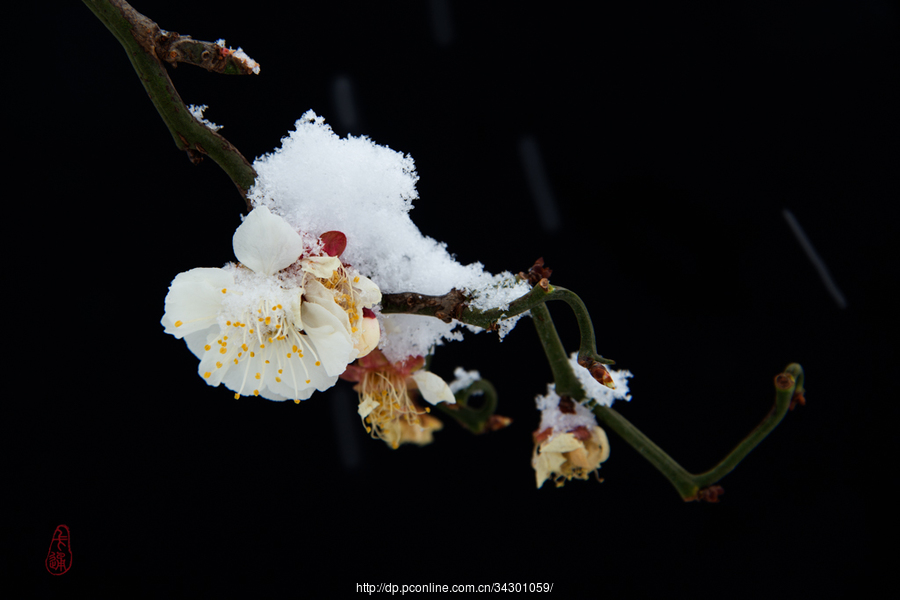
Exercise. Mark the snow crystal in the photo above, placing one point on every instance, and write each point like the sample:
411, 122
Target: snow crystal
249, 62
197, 112
551, 416
464, 379
320, 182
241, 56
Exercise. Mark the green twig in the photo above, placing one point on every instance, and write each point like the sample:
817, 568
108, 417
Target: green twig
690, 486
454, 306
143, 40
476, 420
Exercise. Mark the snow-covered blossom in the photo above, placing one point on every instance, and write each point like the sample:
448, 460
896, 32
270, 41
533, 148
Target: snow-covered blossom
386, 404
319, 181
568, 444
283, 322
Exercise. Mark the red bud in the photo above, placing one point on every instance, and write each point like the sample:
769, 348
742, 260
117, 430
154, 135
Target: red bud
333, 242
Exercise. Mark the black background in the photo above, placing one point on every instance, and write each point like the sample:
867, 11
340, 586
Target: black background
672, 138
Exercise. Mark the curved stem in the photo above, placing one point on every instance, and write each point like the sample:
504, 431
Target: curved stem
690, 486
142, 38
476, 420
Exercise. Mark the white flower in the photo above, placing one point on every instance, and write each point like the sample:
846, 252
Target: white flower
387, 402
568, 443
275, 325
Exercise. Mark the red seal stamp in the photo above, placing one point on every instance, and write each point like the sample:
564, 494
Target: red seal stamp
59, 557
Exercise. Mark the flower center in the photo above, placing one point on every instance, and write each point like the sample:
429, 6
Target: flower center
389, 393
258, 334
344, 295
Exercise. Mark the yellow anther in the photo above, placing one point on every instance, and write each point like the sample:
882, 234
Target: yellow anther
256, 392
207, 375
207, 347
258, 376
307, 381
178, 323
224, 337
218, 365
223, 350
318, 364
235, 360
353, 329
294, 347
252, 354
260, 319
251, 331
261, 346
268, 320
228, 323
278, 379
237, 396
279, 371
244, 347
355, 280
288, 354
224, 290
296, 402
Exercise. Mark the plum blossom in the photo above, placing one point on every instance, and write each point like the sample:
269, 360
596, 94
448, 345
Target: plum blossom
387, 406
284, 321
568, 444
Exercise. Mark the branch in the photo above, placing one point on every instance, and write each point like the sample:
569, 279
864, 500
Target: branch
145, 43
454, 305
788, 389
788, 385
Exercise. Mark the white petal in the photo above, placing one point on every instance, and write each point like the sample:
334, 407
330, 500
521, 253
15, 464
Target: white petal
366, 407
332, 342
369, 293
545, 464
599, 438
194, 300
197, 341
433, 388
266, 243
369, 337
319, 294
320, 266
564, 442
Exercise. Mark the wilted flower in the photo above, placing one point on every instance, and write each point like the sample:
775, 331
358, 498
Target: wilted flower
386, 403
569, 443
274, 325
